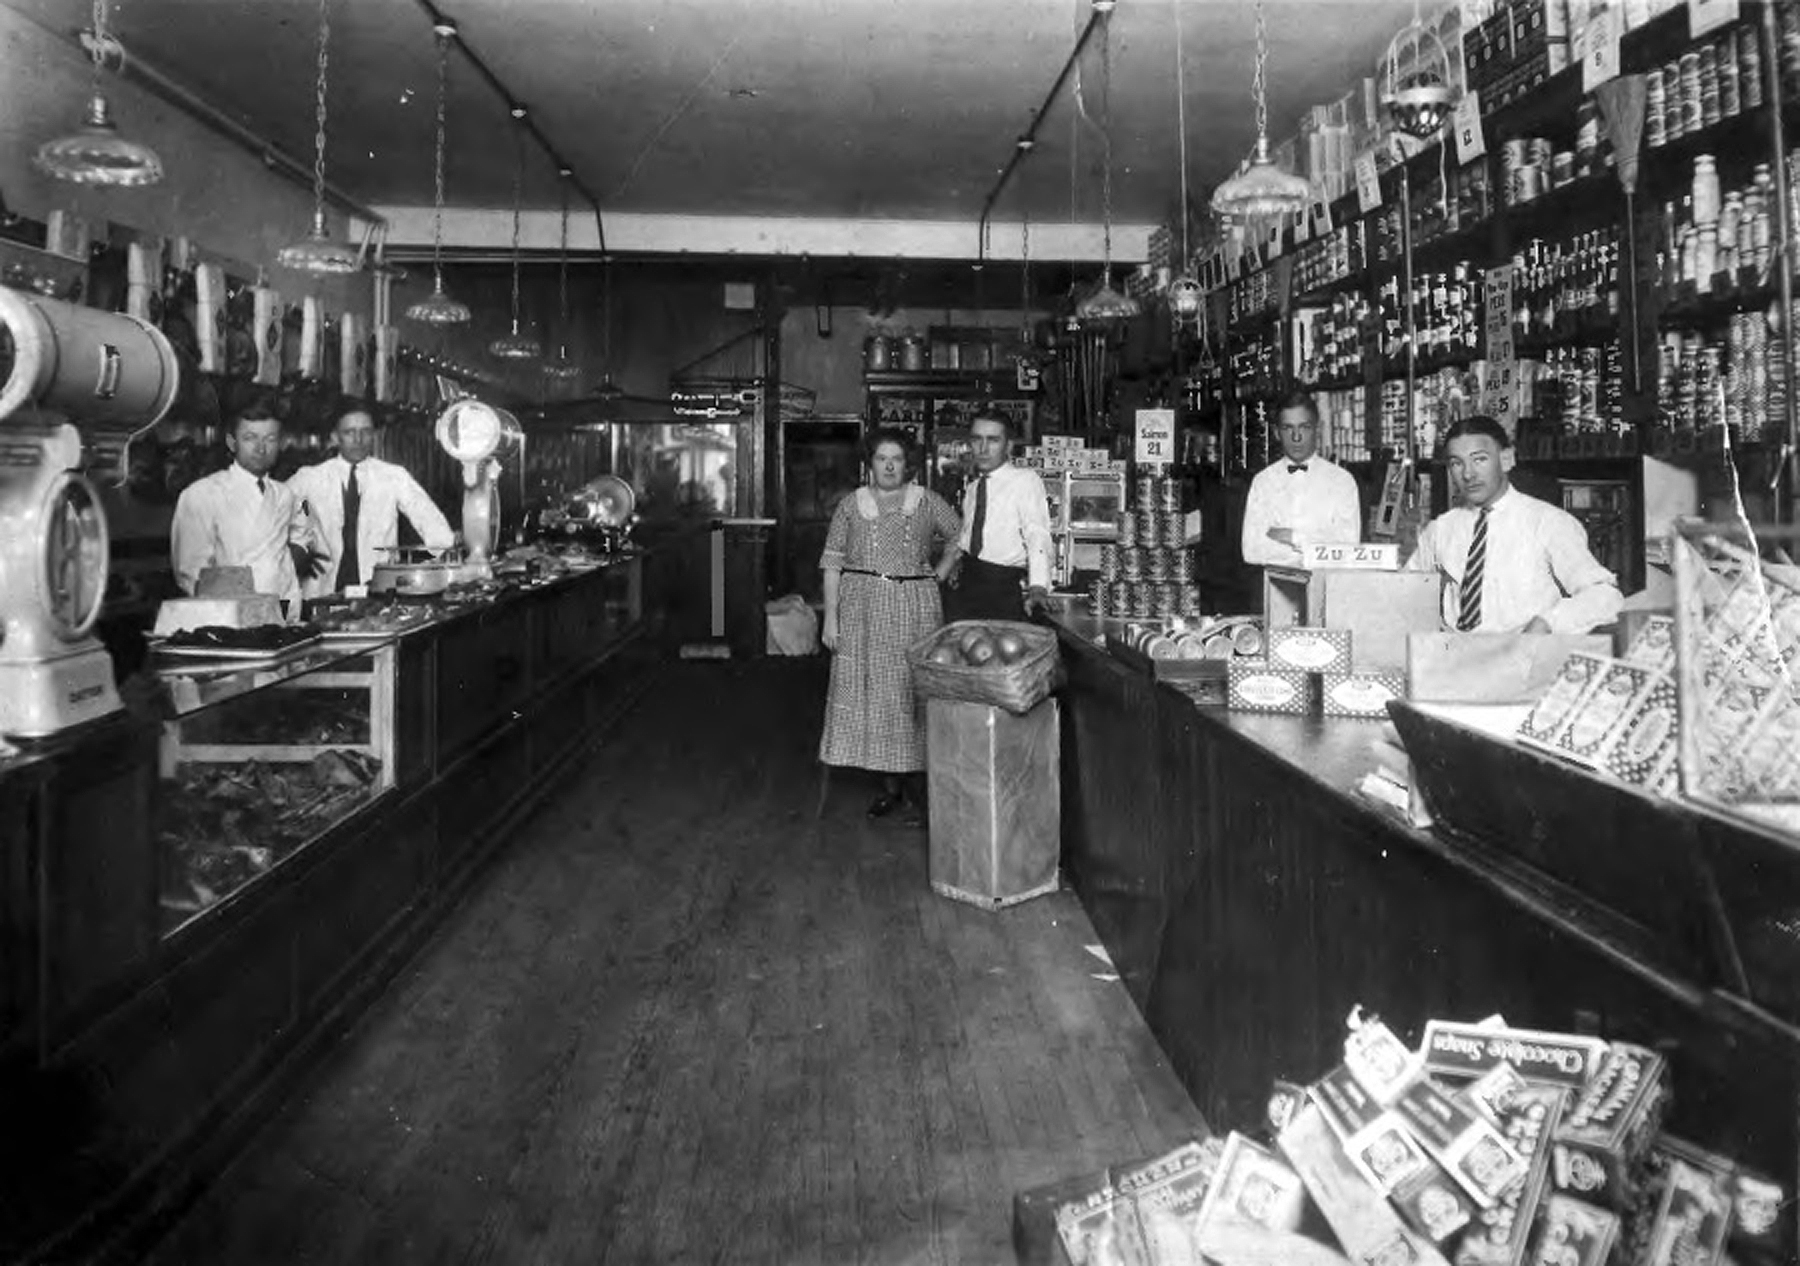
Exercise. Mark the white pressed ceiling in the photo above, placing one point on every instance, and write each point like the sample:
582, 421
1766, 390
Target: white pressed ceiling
870, 127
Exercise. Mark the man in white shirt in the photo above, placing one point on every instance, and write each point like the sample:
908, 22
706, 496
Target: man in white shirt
239, 517
357, 500
1511, 563
1006, 533
1303, 498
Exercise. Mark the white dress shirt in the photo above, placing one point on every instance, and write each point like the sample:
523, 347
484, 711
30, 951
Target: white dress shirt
387, 491
225, 520
1538, 564
1016, 531
1318, 503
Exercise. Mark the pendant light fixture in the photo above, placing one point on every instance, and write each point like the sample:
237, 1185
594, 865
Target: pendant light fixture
95, 153
1262, 189
1186, 298
1105, 303
1420, 101
438, 308
317, 252
516, 346
562, 369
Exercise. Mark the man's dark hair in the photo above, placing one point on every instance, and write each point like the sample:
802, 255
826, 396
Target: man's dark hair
1011, 427
1297, 398
1478, 424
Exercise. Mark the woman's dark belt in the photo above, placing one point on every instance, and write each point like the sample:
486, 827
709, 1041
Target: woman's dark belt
881, 575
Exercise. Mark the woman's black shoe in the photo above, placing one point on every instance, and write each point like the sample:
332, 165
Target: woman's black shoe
883, 805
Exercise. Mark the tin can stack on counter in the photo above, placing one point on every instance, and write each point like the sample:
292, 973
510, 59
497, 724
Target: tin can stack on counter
1148, 572
1531, 166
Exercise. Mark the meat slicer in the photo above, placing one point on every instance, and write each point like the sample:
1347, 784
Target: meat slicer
477, 435
115, 376
601, 512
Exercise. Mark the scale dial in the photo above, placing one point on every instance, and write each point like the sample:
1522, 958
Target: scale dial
73, 558
470, 431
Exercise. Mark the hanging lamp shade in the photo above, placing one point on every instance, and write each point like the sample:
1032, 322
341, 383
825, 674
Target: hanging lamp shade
1261, 190
562, 369
438, 308
516, 346
1104, 303
95, 153
1186, 296
1419, 100
317, 252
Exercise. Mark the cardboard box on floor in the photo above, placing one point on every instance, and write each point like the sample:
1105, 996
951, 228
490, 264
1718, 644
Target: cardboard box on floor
996, 801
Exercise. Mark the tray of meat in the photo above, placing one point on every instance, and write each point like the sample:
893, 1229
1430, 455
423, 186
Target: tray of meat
263, 641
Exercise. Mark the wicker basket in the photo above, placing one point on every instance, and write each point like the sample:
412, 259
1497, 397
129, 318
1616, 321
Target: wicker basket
1018, 687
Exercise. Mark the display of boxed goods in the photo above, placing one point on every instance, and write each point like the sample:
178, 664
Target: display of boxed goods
1448, 1153
1257, 686
1310, 650
1360, 694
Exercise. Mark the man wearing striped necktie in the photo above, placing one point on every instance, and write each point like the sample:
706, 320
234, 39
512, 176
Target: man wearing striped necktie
1510, 563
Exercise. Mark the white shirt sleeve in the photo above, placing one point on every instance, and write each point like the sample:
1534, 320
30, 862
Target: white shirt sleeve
1591, 593
421, 511
1034, 525
191, 544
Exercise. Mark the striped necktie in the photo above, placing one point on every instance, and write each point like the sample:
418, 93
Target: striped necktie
1468, 615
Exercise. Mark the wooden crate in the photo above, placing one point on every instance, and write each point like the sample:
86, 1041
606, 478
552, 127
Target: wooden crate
1381, 608
996, 815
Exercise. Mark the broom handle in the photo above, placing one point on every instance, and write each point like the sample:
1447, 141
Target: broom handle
1631, 285
1784, 508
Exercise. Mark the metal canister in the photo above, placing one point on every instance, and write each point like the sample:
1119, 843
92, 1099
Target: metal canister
1731, 100
1750, 72
1128, 525
1189, 601
1709, 85
1131, 564
1141, 602
1656, 133
1149, 529
1097, 598
1170, 496
1587, 132
1562, 168
1692, 113
1109, 562
1674, 112
1514, 155
1156, 566
1147, 493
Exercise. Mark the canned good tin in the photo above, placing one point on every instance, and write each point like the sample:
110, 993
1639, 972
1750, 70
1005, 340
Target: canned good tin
1188, 598
1156, 566
1131, 564
1149, 530
1750, 72
1148, 492
1731, 101
1562, 168
1128, 535
1692, 112
1097, 598
1109, 562
1674, 113
1541, 151
1525, 183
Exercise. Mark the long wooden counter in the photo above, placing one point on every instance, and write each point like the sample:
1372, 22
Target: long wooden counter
1251, 898
137, 1062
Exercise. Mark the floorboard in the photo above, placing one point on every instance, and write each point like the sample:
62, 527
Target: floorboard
683, 1021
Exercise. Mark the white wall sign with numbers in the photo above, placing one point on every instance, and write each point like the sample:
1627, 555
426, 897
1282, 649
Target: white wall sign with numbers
1155, 431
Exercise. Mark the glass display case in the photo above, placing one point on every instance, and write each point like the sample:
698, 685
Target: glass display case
260, 758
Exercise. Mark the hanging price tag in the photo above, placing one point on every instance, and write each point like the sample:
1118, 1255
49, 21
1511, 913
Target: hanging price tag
1368, 183
1155, 437
1303, 228
1710, 15
1471, 143
1275, 238
1600, 47
1321, 217
1499, 312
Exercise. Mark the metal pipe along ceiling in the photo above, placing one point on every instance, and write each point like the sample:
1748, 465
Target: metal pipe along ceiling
1022, 146
437, 16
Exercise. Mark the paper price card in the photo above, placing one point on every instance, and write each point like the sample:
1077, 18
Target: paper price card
1321, 217
1368, 183
1599, 47
1499, 395
1466, 123
1155, 443
1499, 313
1710, 15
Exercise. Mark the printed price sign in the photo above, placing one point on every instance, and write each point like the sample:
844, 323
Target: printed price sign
1710, 15
1500, 393
1352, 557
1155, 432
1499, 300
1368, 183
1600, 47
1466, 123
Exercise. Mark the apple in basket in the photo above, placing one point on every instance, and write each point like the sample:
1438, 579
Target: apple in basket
980, 652
970, 637
1009, 646
945, 654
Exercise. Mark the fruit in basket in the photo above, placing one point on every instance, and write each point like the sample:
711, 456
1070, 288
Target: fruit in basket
981, 652
970, 637
946, 654
1009, 646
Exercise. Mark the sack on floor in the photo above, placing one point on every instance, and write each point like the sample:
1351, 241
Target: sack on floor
793, 628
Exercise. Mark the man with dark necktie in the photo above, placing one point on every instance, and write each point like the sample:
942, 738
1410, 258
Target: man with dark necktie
357, 500
1303, 499
1510, 563
1005, 569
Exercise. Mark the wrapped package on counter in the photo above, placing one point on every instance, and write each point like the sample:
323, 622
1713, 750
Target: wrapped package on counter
1528, 1117
1256, 686
1360, 694
1364, 1223
1468, 1145
1374, 1138
1603, 1142
1310, 650
1434, 1206
1465, 1051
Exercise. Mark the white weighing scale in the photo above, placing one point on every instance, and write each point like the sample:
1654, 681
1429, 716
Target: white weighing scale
116, 375
475, 434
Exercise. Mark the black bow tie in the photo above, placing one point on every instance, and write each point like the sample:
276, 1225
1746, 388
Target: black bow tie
1294, 468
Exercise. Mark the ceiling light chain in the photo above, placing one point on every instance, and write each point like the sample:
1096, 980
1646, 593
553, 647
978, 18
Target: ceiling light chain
95, 153
1259, 86
1106, 209
1261, 189
316, 252
562, 368
517, 346
439, 308
319, 104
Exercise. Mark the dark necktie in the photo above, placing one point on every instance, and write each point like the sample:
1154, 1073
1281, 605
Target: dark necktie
1468, 616
349, 570
1294, 468
980, 523
262, 486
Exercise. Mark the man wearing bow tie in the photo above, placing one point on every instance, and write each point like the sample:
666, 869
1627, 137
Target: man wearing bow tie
357, 500
240, 517
1302, 499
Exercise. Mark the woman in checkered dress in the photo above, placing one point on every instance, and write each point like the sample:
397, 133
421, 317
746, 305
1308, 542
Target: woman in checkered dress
881, 596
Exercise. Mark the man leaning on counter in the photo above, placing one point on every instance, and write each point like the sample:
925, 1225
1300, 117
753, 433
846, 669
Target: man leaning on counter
1511, 563
357, 500
1302, 499
240, 517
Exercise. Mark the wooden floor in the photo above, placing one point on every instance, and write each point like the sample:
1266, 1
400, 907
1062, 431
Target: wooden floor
680, 1021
